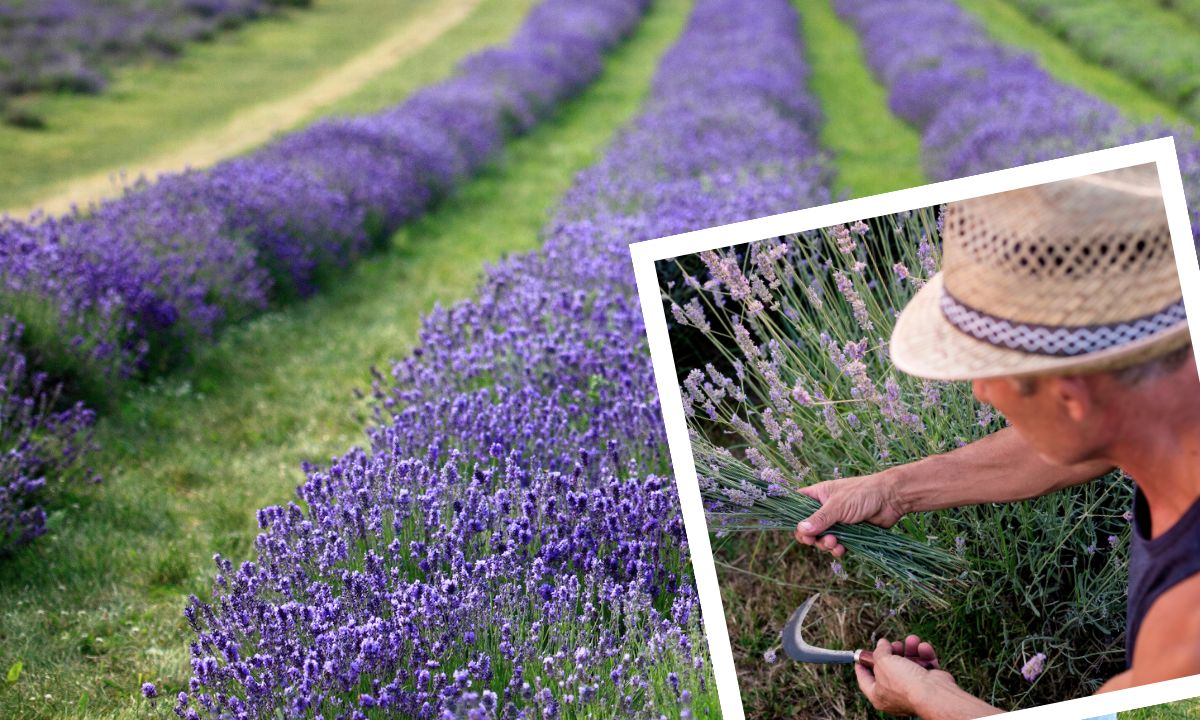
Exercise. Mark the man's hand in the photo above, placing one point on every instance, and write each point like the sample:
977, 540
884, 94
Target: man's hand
1001, 467
869, 498
893, 685
899, 686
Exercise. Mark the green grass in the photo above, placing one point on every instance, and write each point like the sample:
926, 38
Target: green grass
150, 108
873, 150
1180, 710
1189, 9
94, 609
1009, 25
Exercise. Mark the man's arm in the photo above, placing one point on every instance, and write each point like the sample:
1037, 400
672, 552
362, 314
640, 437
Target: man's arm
1168, 643
1001, 467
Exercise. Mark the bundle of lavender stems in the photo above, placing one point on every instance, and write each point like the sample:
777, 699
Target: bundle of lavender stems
740, 498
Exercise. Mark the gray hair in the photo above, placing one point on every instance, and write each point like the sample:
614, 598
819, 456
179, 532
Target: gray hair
1130, 376
1151, 369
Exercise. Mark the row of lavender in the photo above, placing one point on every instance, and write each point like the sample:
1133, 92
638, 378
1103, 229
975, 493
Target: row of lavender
69, 44
982, 106
510, 545
135, 284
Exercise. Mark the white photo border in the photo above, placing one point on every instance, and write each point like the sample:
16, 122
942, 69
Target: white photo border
646, 253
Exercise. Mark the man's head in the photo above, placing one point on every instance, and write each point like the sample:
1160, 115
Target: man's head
1060, 302
1075, 418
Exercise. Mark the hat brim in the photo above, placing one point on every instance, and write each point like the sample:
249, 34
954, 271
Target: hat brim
926, 345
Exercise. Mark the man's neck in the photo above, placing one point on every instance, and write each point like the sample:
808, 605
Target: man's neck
1159, 447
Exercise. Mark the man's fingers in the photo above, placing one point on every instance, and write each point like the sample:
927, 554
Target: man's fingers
823, 542
926, 652
883, 648
818, 522
866, 680
911, 643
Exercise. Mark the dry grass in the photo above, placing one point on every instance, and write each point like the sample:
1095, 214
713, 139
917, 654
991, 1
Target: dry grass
763, 578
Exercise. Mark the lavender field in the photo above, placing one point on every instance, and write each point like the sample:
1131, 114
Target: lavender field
70, 45
199, 518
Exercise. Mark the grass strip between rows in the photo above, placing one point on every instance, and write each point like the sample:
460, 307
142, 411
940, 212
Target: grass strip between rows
873, 150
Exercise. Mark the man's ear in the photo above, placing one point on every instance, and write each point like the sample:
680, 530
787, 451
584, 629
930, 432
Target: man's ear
1073, 394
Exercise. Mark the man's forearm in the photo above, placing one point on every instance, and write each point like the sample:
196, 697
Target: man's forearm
1001, 467
946, 701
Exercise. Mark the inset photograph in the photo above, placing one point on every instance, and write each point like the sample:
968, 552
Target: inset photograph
947, 455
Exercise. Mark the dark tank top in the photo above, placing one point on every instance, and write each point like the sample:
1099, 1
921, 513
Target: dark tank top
1156, 566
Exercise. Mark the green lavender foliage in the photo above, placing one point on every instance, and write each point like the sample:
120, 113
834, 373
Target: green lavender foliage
800, 388
1126, 35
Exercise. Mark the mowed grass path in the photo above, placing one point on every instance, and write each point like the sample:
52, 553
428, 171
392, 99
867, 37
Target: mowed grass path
223, 97
873, 150
95, 608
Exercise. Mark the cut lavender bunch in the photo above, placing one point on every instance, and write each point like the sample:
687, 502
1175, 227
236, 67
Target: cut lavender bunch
739, 497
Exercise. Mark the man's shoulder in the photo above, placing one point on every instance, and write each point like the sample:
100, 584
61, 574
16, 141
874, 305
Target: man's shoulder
1168, 644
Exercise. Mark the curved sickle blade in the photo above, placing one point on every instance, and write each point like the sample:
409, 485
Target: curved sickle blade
800, 651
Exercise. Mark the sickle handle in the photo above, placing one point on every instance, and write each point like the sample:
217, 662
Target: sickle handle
867, 659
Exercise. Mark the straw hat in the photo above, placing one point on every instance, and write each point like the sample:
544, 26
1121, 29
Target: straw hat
1064, 278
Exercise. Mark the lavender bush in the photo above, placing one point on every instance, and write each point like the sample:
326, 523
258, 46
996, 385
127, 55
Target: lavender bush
510, 544
135, 284
802, 324
40, 442
981, 106
69, 45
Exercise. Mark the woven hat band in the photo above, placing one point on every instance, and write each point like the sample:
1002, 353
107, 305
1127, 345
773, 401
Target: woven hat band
1056, 340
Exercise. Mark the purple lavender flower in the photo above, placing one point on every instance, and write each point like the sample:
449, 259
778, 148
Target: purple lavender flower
43, 442
1034, 667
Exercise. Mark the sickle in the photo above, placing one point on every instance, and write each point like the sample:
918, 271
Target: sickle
800, 651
